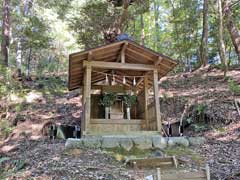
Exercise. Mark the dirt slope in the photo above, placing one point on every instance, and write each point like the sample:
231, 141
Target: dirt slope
220, 122
213, 114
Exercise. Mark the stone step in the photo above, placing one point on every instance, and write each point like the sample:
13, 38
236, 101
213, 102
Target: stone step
127, 133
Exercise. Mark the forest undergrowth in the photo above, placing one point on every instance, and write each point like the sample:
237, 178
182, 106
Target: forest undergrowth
28, 104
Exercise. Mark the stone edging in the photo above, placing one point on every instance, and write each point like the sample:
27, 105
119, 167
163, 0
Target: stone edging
128, 142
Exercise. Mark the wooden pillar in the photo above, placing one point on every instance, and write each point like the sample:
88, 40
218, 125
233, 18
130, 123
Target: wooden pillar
122, 57
123, 52
87, 97
157, 104
146, 102
83, 112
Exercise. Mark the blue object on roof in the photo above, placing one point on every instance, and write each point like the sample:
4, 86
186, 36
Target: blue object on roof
124, 36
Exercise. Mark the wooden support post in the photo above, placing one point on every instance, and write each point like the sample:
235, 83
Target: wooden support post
82, 113
123, 52
158, 174
123, 57
87, 97
159, 60
175, 162
157, 104
207, 172
146, 102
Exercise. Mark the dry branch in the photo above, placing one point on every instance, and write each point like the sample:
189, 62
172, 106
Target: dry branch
237, 107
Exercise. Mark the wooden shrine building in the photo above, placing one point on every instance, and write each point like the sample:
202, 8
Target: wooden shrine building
123, 67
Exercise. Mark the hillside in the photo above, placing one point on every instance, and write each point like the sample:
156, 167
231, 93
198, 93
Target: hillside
212, 113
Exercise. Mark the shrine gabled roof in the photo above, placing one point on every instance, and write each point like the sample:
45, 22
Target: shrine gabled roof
134, 54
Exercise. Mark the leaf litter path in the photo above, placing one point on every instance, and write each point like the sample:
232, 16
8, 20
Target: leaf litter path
46, 160
222, 152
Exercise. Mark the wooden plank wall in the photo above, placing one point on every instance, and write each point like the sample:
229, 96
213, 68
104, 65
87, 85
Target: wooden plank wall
111, 126
140, 105
97, 111
152, 117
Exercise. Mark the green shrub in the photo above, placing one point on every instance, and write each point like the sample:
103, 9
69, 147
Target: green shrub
108, 99
129, 100
201, 108
199, 127
189, 120
5, 128
200, 112
234, 87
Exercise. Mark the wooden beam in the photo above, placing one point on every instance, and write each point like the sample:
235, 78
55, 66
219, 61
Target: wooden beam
152, 162
142, 80
97, 49
146, 102
144, 49
123, 52
157, 104
106, 57
166, 66
89, 57
141, 54
99, 87
123, 66
198, 175
96, 80
163, 67
115, 121
87, 97
159, 60
114, 50
139, 82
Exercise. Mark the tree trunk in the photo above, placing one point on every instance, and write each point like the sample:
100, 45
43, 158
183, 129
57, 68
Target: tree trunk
122, 19
28, 61
142, 30
5, 32
222, 50
204, 41
232, 28
156, 17
118, 26
177, 32
19, 57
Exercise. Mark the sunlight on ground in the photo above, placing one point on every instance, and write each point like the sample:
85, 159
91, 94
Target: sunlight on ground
8, 148
185, 152
33, 96
228, 133
16, 99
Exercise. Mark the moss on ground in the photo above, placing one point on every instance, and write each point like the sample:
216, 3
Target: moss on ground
181, 151
120, 153
5, 128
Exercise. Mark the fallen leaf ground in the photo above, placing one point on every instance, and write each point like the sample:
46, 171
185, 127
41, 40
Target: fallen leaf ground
26, 154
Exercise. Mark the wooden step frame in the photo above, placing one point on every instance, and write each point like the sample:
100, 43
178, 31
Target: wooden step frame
198, 175
162, 162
